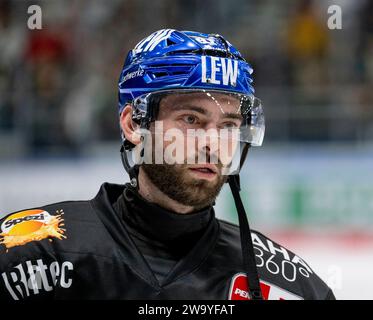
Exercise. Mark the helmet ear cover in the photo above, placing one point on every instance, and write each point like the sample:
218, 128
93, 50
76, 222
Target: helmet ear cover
144, 121
154, 104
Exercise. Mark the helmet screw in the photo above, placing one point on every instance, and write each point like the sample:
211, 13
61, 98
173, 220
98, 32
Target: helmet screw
134, 182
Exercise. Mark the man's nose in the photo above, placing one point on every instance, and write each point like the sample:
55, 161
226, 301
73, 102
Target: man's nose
210, 148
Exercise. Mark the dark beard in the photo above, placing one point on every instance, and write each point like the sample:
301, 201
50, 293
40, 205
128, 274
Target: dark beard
172, 181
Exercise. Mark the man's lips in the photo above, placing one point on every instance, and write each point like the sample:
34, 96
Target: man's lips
205, 171
206, 168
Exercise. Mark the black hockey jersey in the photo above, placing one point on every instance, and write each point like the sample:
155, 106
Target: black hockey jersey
90, 250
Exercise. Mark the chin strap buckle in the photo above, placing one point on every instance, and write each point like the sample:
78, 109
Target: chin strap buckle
133, 171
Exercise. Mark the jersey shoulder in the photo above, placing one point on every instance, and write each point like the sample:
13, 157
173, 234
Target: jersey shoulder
53, 242
67, 226
279, 266
61, 226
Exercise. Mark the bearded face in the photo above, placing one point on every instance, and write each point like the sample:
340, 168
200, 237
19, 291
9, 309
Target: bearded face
178, 183
197, 176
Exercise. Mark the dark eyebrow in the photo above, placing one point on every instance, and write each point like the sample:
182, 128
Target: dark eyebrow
233, 116
190, 107
204, 111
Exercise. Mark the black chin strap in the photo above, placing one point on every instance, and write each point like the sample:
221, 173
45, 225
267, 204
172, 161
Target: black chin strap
248, 255
133, 171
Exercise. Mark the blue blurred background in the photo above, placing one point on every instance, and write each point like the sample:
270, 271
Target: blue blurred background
311, 184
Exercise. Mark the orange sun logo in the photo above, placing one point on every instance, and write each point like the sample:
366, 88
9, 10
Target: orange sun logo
31, 225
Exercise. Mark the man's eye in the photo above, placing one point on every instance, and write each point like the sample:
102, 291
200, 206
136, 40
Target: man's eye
189, 119
230, 125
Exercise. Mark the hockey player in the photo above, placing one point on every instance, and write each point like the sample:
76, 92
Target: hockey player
188, 116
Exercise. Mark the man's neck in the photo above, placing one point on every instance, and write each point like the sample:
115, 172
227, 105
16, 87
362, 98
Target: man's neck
151, 193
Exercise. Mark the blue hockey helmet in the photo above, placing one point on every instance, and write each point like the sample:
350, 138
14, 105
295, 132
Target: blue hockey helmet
171, 59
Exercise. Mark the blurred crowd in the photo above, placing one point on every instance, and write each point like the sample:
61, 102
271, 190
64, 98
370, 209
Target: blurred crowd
58, 85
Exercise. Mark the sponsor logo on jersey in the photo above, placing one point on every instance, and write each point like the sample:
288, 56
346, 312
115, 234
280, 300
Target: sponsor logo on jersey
239, 290
33, 277
276, 260
31, 225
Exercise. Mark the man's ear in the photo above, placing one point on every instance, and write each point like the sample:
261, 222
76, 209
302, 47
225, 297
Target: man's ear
128, 126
